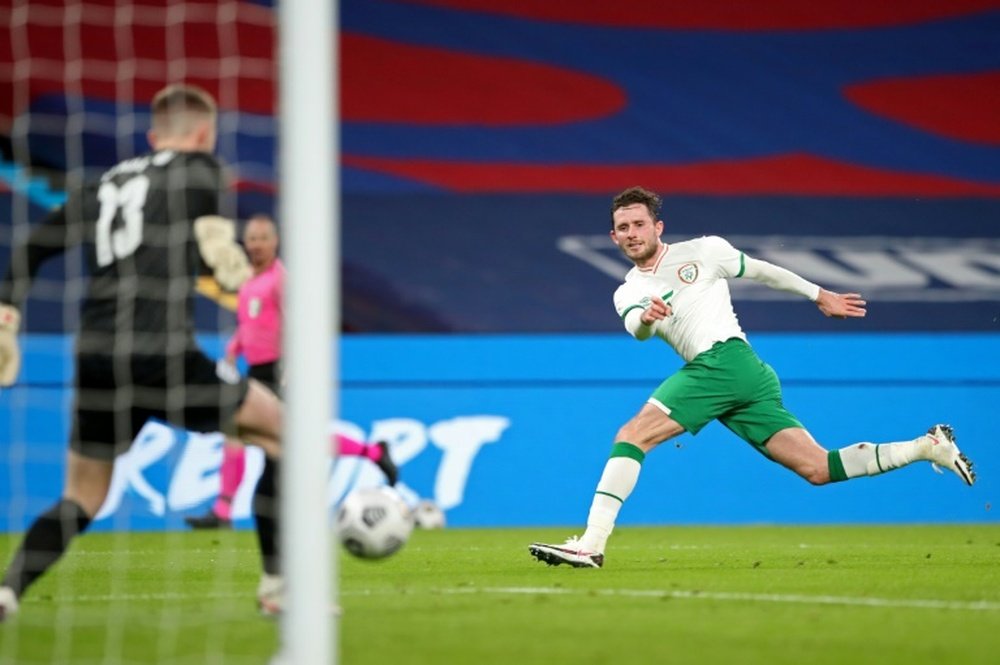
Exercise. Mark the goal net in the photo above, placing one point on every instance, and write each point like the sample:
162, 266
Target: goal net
141, 586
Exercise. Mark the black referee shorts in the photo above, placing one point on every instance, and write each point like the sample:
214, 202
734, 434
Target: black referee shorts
269, 374
116, 395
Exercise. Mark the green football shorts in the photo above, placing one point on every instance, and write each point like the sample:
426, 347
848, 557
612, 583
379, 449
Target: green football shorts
729, 382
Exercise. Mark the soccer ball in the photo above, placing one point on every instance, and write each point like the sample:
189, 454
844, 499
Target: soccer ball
374, 522
428, 515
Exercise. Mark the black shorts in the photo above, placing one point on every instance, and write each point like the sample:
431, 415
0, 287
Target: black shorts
116, 395
269, 374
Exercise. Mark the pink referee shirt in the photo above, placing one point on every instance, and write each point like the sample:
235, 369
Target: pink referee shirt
258, 317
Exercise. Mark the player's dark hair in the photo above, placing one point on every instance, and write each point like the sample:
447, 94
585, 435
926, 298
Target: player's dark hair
634, 195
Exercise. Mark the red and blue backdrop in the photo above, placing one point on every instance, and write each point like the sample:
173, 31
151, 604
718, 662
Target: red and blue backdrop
856, 142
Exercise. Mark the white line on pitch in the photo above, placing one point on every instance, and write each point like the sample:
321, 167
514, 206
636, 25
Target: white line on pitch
680, 594
799, 599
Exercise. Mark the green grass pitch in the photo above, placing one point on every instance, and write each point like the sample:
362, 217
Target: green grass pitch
885, 595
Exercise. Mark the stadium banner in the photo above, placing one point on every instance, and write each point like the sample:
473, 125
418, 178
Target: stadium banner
506, 430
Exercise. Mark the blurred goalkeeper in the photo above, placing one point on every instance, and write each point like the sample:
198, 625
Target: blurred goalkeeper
258, 340
146, 228
679, 293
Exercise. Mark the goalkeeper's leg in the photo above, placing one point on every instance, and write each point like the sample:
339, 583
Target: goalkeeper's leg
270, 592
259, 422
48, 537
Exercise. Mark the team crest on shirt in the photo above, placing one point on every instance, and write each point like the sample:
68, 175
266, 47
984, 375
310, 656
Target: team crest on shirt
688, 273
253, 308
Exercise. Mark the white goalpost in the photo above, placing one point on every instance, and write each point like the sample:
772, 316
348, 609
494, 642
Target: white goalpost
310, 215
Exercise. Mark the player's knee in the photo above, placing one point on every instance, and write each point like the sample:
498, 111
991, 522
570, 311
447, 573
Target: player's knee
645, 440
624, 433
816, 475
630, 433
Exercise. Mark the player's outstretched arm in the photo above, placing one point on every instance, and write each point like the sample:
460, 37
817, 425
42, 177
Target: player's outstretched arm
49, 238
841, 305
779, 278
10, 352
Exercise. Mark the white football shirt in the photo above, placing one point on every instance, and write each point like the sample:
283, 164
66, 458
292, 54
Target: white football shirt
689, 276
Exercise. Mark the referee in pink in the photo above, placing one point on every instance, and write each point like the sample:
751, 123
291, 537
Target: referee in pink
258, 314
258, 340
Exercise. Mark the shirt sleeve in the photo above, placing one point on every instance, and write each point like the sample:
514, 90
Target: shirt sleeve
630, 308
732, 263
202, 194
726, 261
52, 236
779, 278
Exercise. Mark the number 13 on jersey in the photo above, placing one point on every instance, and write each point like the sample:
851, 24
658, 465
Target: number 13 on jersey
129, 198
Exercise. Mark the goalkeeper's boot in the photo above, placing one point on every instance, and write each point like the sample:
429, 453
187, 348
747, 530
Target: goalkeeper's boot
569, 552
209, 520
271, 595
943, 453
385, 463
8, 603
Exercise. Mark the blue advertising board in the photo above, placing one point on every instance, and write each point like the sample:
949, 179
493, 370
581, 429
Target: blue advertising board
514, 430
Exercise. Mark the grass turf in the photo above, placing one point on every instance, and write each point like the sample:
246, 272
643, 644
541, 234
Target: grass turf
899, 594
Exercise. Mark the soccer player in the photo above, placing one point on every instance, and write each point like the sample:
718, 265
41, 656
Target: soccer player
258, 340
146, 227
678, 292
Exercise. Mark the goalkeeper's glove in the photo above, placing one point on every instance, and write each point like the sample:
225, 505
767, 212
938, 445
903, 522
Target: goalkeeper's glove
10, 353
216, 238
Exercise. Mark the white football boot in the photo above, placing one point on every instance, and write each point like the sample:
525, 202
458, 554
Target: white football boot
271, 595
944, 454
8, 603
569, 552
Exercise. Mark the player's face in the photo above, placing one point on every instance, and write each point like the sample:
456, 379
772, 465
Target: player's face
211, 137
261, 242
636, 233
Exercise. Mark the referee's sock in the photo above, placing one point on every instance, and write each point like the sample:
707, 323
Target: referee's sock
44, 543
265, 512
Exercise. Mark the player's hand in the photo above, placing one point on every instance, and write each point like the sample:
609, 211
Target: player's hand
10, 353
657, 311
841, 305
231, 267
216, 238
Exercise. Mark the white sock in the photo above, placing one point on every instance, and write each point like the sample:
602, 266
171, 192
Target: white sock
617, 482
871, 459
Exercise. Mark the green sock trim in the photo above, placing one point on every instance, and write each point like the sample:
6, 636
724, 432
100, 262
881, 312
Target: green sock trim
620, 500
626, 449
837, 473
877, 461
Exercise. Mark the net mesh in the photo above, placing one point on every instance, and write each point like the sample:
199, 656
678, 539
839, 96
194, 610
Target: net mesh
76, 79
